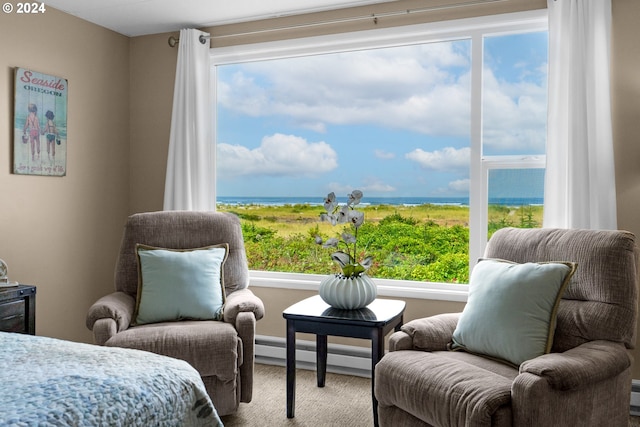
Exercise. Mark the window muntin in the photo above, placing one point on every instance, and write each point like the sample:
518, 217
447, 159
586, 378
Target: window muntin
538, 160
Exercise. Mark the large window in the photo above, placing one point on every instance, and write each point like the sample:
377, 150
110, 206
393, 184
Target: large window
441, 126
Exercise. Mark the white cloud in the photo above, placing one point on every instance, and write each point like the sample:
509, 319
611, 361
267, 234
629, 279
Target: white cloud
243, 95
421, 88
368, 186
459, 186
318, 127
277, 155
446, 160
374, 185
385, 155
341, 190
515, 115
402, 88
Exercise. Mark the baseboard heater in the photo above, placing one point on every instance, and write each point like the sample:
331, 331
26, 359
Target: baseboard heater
635, 398
351, 360
341, 359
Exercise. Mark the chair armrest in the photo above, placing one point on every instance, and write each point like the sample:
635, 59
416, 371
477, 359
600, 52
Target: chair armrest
117, 306
242, 301
242, 308
400, 341
426, 334
581, 366
246, 327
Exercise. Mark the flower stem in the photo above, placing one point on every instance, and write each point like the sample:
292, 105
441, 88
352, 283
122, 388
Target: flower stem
355, 244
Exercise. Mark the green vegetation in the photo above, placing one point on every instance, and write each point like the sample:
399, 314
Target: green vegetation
421, 243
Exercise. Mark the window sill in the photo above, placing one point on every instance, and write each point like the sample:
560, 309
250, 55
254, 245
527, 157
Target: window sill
386, 287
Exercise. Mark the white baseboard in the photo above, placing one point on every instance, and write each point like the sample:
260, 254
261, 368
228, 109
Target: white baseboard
351, 360
341, 359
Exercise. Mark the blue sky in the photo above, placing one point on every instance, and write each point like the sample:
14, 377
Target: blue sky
390, 122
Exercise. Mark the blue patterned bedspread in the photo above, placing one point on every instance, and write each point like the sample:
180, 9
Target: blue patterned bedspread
50, 382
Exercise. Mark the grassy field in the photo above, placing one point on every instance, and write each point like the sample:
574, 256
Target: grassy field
288, 220
425, 242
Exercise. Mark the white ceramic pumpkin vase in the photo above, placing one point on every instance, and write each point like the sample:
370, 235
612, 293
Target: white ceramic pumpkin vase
348, 293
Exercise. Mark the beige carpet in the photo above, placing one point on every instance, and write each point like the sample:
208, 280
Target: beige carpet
344, 401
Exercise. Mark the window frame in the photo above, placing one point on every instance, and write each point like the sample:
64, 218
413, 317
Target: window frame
474, 29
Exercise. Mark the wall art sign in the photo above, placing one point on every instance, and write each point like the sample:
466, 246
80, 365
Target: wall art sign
39, 124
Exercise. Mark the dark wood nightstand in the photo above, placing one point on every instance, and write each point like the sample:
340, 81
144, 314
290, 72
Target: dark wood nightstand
18, 309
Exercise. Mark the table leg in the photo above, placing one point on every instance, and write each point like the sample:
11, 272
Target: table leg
321, 359
399, 325
377, 351
291, 369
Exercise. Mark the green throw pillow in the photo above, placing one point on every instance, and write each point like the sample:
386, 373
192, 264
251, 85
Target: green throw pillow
176, 284
511, 310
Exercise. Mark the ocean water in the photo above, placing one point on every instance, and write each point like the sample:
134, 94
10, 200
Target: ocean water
406, 201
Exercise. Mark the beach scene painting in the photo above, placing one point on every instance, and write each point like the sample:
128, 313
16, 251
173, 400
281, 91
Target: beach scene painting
40, 124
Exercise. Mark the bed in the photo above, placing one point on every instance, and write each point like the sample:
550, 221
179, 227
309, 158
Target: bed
46, 381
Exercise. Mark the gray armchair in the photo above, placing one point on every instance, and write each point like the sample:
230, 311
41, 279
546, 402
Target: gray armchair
584, 381
222, 351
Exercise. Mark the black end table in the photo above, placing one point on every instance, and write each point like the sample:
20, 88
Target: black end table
314, 316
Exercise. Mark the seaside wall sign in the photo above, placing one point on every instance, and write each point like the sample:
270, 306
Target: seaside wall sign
39, 124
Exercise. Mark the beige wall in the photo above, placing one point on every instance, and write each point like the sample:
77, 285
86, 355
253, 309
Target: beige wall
153, 69
62, 234
625, 92
625, 89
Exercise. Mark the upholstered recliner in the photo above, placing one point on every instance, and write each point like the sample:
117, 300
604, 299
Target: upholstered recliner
222, 351
584, 381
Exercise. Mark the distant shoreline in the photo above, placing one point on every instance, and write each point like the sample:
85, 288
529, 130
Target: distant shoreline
376, 201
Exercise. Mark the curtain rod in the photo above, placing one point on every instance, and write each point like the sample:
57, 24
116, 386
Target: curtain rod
173, 41
203, 39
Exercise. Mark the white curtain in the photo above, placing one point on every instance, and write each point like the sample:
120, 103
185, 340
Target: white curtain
580, 187
189, 180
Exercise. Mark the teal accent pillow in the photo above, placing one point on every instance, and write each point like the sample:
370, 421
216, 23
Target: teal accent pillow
510, 313
176, 284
